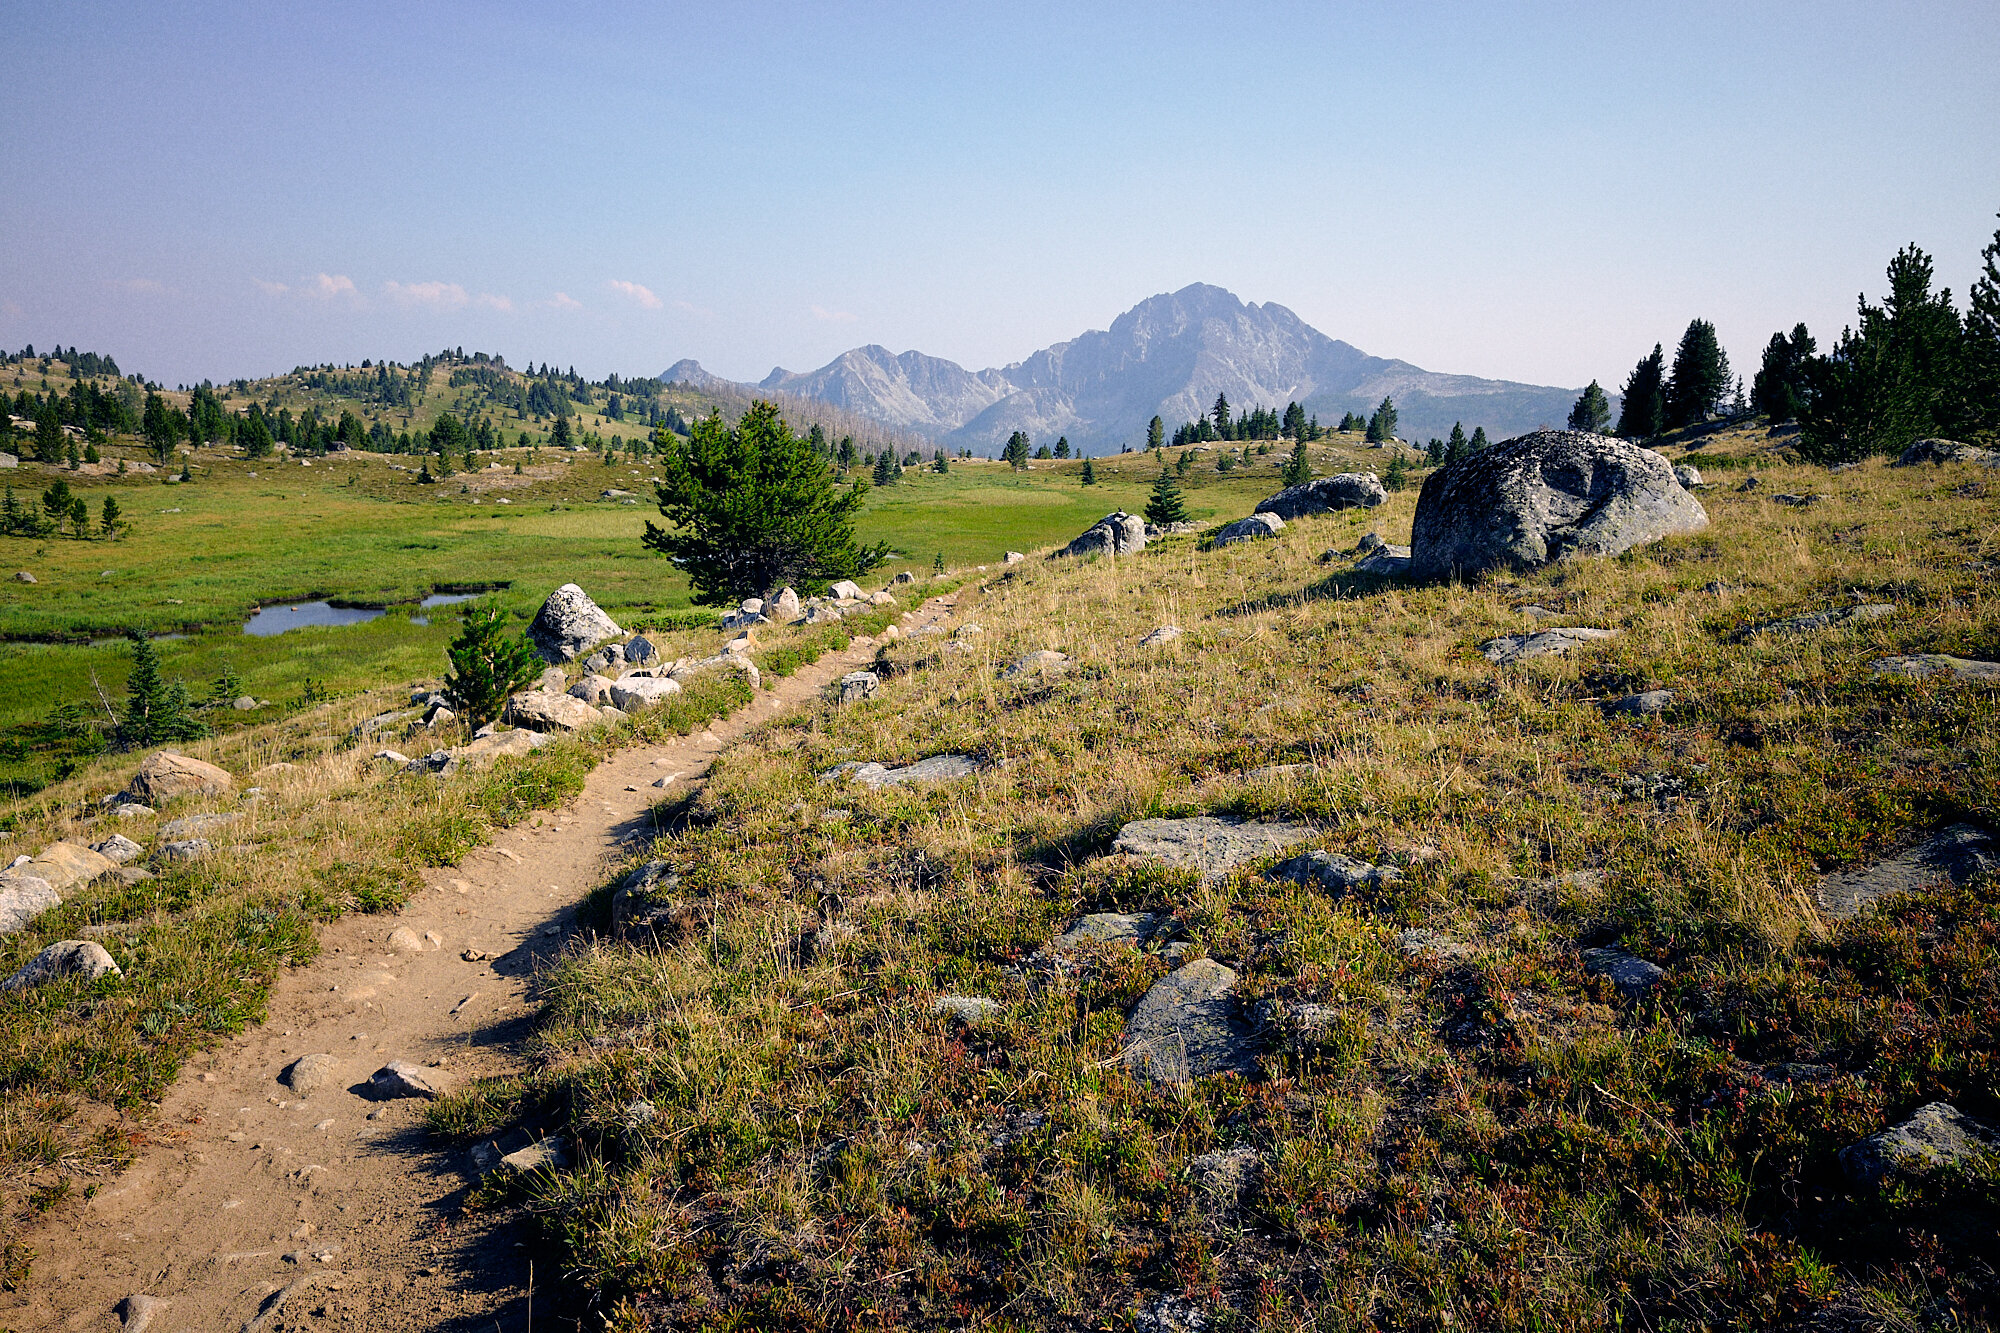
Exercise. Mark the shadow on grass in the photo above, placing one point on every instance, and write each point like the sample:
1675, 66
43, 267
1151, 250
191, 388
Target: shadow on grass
1349, 585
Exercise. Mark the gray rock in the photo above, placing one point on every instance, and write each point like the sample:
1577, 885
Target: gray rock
1937, 1137
1633, 976
639, 692
1545, 496
823, 615
23, 898
1646, 701
1348, 490
24, 576
1921, 665
859, 686
1956, 853
401, 1078
786, 606
1169, 1314
1387, 559
1116, 533
1225, 1174
555, 680
1211, 845
1014, 557
966, 1011
1512, 648
63, 959
131, 810
937, 768
309, 1073
1160, 637
1335, 873
1749, 484
185, 849
1946, 451
641, 651
118, 849
1795, 501
539, 710
165, 775
178, 829
439, 716
568, 624
137, 1312
847, 590
1187, 1027
605, 661
391, 757
244, 704
1045, 662
551, 1154
1847, 615
1687, 475
593, 689
1133, 928
643, 905
1430, 946
1254, 528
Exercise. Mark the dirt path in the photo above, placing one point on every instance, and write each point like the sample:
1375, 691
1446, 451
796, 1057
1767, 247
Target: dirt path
259, 1209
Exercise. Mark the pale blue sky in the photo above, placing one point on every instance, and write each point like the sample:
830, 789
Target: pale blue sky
1529, 191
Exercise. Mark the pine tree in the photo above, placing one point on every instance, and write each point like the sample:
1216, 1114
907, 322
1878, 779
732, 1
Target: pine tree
1592, 411
48, 432
1398, 476
10, 513
1897, 379
1980, 359
1089, 472
1382, 426
1456, 450
1644, 408
938, 463
1016, 452
1700, 379
108, 524
1220, 414
1062, 446
885, 468
155, 710
1182, 464
1298, 467
1434, 452
1166, 507
1778, 390
486, 667
1479, 441
1156, 434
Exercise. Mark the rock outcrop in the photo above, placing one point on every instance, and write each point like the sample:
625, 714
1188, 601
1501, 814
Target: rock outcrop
1922, 665
1210, 845
1545, 496
541, 710
165, 775
1511, 648
1187, 1027
1946, 451
1117, 533
1956, 853
1254, 528
1937, 1137
1347, 490
569, 625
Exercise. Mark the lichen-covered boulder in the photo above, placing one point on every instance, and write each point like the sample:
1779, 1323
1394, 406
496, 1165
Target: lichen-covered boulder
1253, 528
1546, 496
1347, 490
569, 625
1116, 533
165, 775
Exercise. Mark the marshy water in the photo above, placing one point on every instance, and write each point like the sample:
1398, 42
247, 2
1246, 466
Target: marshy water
269, 620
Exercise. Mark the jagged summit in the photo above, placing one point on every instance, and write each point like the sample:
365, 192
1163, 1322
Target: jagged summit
1168, 355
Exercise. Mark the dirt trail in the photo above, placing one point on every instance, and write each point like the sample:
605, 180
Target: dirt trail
258, 1209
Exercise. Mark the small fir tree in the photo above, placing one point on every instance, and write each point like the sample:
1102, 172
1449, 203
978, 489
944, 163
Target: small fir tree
486, 667
1592, 411
1644, 408
1479, 440
108, 522
1089, 472
156, 710
1456, 449
1183, 463
1398, 476
1165, 507
1156, 434
1382, 426
1298, 467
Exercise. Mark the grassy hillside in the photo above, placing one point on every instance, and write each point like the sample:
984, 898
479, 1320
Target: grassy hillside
1457, 1128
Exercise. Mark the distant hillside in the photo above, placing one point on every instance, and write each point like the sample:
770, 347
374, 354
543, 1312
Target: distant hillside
1168, 355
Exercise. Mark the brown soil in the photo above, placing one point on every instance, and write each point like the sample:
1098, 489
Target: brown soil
254, 1208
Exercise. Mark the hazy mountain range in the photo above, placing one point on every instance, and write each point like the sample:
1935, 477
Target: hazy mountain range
1168, 355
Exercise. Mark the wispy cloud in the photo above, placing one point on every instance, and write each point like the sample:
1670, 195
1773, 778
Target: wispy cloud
643, 295
564, 301
326, 286
144, 286
692, 308
494, 302
270, 288
438, 295
820, 312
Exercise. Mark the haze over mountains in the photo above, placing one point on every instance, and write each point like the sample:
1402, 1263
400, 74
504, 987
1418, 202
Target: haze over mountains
1169, 355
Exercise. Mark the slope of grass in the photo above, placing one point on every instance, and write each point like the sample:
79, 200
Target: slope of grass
773, 1130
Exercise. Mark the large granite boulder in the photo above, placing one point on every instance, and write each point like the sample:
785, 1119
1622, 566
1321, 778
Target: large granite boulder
1117, 533
635, 693
1946, 451
542, 710
165, 775
1348, 490
1254, 528
1545, 496
65, 958
35, 885
569, 625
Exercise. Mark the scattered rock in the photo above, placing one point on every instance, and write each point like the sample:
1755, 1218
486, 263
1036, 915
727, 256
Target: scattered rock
309, 1073
118, 849
904, 576
937, 768
439, 716
1545, 496
1939, 451
1250, 529
644, 905
1847, 615
187, 849
1334, 873
1160, 637
568, 624
1921, 665
65, 958
638, 692
1116, 533
1387, 559
1632, 975
1012, 558
404, 940
1133, 928
131, 810
400, 1078
1795, 501
858, 686
1687, 475
1348, 490
1169, 1314
786, 606
25, 577
641, 651
555, 680
137, 1312
1430, 946
539, 710
847, 590
1937, 1137
966, 1011
1956, 853
1211, 845
165, 775
1749, 484
593, 689
176, 829
1512, 648
392, 757
1223, 1176
244, 704
551, 1154
1042, 663
1187, 1027
1645, 702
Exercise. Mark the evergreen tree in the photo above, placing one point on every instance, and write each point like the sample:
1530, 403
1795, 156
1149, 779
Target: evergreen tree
1042, 452
159, 427
1778, 390
753, 508
1166, 507
1382, 426
1220, 414
108, 523
559, 434
10, 513
1089, 472
939, 464
1456, 449
1062, 446
1434, 452
1295, 421
1016, 452
1182, 464
1700, 378
1398, 476
1479, 440
486, 667
1645, 406
48, 432
56, 501
1592, 411
1156, 434
1980, 359
156, 710
1298, 467
1895, 380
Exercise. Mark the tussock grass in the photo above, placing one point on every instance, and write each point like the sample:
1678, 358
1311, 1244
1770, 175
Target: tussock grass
774, 1131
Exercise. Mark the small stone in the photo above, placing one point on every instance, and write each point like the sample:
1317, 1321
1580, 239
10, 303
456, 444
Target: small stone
1133, 928
551, 1154
1633, 976
309, 1073
1643, 703
1335, 873
396, 757
400, 1078
966, 1011
1186, 1027
192, 825
1852, 615
1224, 1175
1160, 637
189, 849
1430, 946
1044, 662
137, 1312
25, 577
118, 848
1937, 1137
244, 704
859, 686
404, 940
59, 961
1511, 648
1008, 558
131, 810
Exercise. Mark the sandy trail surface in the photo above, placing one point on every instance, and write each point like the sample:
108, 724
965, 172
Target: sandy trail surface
255, 1208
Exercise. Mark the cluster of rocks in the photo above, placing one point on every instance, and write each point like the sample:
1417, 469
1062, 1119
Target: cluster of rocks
1946, 451
786, 607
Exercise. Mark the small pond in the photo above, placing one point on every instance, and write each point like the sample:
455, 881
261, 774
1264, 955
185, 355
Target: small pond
443, 599
271, 620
